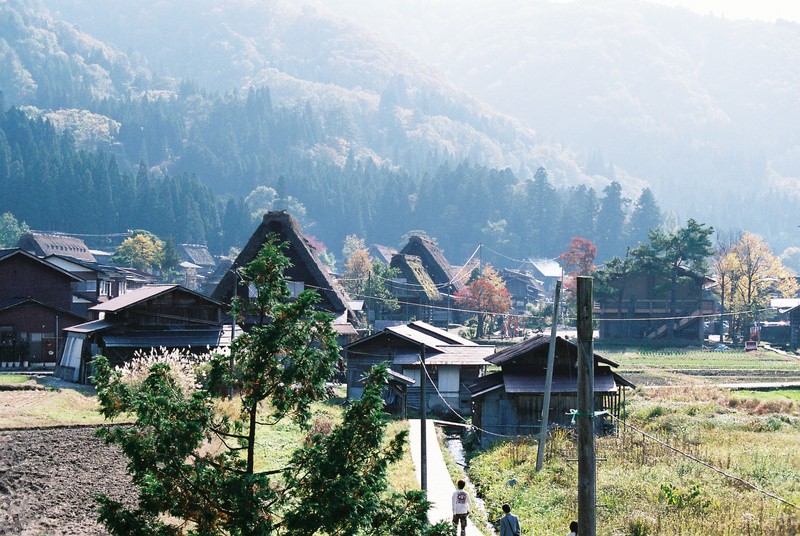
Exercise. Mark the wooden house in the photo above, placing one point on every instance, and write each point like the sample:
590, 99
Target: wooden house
548, 271
306, 271
450, 361
426, 283
523, 288
99, 282
197, 254
157, 316
45, 244
35, 308
640, 307
789, 308
508, 403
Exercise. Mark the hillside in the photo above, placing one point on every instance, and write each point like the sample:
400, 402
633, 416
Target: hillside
702, 107
321, 107
378, 101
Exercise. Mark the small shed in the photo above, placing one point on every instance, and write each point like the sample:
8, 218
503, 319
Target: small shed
509, 402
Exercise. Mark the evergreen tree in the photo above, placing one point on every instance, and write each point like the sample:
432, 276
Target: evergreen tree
611, 222
334, 485
646, 216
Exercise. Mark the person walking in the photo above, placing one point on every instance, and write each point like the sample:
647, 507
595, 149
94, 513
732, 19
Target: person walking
573, 528
462, 506
509, 523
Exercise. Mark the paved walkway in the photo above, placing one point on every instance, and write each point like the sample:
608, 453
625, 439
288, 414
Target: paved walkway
440, 486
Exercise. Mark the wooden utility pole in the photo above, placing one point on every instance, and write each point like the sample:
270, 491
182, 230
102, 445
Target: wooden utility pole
587, 458
548, 382
423, 422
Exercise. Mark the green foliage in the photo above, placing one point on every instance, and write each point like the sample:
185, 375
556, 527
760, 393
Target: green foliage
691, 497
143, 251
194, 464
11, 230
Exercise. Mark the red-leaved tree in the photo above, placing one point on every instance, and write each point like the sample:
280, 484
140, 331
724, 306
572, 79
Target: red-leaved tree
486, 295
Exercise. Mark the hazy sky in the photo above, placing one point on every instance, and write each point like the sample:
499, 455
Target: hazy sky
767, 10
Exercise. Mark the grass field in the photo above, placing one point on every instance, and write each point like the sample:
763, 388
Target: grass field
645, 488
13, 379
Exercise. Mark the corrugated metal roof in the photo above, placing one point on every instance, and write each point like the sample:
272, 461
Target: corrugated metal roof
445, 336
344, 329
525, 383
133, 297
539, 344
91, 327
461, 355
415, 335
485, 384
168, 338
547, 267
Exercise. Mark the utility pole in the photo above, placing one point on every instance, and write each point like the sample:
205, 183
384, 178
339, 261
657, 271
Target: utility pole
423, 423
587, 458
548, 382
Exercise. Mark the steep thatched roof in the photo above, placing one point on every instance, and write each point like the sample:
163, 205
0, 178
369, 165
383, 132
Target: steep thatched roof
196, 254
418, 282
306, 266
434, 261
44, 244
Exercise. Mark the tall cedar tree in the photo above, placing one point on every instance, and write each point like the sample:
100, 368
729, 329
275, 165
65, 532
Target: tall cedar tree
281, 367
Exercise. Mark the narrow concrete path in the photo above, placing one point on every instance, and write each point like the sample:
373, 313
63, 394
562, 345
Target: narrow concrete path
440, 486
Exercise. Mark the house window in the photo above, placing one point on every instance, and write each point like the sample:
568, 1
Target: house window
87, 286
296, 287
105, 288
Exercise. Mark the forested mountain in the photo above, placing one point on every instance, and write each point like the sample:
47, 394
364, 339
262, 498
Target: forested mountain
352, 131
703, 107
268, 100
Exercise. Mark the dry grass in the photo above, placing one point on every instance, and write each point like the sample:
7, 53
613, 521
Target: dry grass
644, 488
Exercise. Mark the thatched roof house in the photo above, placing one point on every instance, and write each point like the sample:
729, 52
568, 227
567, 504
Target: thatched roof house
435, 263
44, 244
307, 271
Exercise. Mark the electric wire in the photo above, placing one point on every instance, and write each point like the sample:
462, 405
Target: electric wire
705, 464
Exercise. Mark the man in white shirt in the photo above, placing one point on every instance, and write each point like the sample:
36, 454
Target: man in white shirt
462, 506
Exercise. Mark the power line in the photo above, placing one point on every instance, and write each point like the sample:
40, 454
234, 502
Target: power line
706, 464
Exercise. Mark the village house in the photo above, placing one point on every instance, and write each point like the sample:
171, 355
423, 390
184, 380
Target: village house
524, 289
451, 361
426, 284
548, 271
46, 244
640, 307
306, 271
36, 299
156, 316
99, 282
508, 403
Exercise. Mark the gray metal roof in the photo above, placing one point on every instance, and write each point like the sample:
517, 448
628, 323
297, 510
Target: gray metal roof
460, 355
91, 327
200, 338
604, 382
